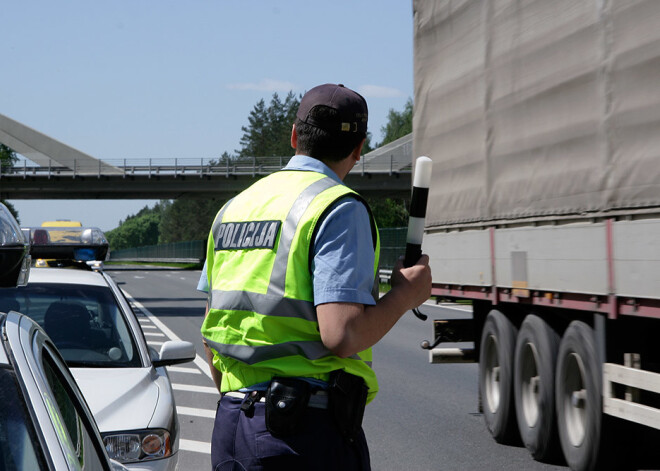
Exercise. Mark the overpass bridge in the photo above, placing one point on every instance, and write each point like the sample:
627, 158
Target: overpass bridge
53, 170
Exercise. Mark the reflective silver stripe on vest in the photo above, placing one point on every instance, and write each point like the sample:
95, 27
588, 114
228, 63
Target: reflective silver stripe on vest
214, 229
278, 275
265, 304
251, 355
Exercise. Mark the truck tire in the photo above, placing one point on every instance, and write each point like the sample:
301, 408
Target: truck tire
578, 396
534, 386
498, 341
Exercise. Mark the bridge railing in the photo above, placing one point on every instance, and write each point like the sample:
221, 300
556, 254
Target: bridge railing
188, 167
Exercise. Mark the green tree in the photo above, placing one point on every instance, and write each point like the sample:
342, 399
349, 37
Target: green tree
12, 210
268, 133
399, 123
390, 212
139, 229
135, 232
393, 212
7, 156
366, 147
253, 141
188, 219
225, 157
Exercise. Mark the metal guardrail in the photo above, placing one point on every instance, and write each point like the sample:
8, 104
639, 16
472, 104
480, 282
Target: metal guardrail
201, 168
179, 252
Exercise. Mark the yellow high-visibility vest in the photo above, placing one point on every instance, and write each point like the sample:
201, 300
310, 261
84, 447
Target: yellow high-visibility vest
262, 319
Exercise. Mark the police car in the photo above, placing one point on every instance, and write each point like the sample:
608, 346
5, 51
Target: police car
97, 334
45, 423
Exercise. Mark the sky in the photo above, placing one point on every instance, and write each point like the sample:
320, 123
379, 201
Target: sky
127, 79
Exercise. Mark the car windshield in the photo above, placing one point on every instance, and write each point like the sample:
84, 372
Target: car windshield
18, 438
85, 322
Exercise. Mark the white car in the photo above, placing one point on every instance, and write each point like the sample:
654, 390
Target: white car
45, 423
44, 420
122, 379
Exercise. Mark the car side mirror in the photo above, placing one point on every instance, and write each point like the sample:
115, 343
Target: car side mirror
174, 352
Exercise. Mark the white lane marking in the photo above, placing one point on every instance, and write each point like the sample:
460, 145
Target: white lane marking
455, 307
153, 334
144, 325
194, 445
186, 445
181, 369
203, 365
193, 388
208, 413
199, 362
137, 277
154, 342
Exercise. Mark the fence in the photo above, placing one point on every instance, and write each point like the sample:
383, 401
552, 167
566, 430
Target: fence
392, 245
193, 251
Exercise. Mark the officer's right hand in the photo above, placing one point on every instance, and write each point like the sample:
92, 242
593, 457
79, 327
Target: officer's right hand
413, 282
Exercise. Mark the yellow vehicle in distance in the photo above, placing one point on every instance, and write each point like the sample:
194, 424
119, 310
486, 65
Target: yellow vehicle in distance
61, 223
61, 234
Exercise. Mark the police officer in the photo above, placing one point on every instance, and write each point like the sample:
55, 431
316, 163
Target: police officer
292, 311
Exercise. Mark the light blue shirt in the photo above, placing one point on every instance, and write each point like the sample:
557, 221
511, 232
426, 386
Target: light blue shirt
343, 264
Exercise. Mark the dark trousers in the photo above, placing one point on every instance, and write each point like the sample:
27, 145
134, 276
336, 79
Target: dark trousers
243, 443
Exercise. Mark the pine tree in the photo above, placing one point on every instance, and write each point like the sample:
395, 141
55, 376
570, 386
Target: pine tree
255, 135
268, 133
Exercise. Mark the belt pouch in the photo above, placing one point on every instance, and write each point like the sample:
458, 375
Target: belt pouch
286, 403
347, 398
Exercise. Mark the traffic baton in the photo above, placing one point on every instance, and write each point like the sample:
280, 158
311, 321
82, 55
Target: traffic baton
420, 195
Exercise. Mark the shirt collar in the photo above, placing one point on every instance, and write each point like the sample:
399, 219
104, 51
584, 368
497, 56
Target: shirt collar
304, 162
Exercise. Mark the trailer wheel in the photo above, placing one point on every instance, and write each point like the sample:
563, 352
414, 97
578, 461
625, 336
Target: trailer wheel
498, 341
534, 386
578, 395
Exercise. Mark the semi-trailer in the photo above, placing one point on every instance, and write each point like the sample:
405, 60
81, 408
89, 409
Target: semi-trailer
542, 119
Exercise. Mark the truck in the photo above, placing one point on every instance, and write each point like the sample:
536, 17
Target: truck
542, 119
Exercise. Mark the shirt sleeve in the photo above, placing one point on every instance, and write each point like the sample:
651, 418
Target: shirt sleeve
203, 283
343, 263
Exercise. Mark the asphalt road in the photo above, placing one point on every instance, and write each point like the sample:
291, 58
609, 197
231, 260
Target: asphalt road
425, 416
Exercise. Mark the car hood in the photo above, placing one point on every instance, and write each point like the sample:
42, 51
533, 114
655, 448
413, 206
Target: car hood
120, 398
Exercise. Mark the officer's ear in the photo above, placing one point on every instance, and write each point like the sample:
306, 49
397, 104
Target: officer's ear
357, 152
294, 137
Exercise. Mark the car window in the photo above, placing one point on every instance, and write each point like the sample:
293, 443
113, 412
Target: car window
85, 322
17, 434
78, 437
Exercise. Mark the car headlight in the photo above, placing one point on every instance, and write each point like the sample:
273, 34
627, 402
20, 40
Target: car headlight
140, 445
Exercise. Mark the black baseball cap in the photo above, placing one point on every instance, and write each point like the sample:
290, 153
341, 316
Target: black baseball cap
351, 107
